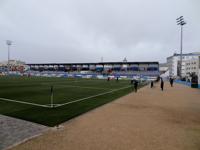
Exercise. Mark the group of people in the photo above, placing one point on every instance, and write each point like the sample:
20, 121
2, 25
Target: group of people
117, 79
135, 83
171, 81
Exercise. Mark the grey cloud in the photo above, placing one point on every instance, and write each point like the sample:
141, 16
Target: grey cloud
85, 31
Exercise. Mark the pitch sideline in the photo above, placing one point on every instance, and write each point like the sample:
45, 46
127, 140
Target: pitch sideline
63, 104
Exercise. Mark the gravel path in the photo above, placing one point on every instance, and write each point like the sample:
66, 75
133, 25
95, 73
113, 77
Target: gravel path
14, 131
147, 120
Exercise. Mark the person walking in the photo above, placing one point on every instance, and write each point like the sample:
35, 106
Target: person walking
117, 79
162, 84
131, 81
132, 84
171, 80
135, 85
151, 84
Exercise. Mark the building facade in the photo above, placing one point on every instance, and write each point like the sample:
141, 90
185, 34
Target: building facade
163, 68
192, 66
14, 65
190, 63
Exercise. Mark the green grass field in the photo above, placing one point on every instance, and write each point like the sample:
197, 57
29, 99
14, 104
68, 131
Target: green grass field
30, 98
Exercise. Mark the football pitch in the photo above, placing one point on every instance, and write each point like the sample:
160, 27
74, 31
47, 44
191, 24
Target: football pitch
35, 100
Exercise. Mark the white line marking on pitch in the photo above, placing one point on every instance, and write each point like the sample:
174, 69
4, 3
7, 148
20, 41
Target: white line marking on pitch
78, 100
59, 105
22, 102
86, 87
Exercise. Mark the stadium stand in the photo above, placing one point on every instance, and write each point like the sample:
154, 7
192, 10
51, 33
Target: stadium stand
103, 69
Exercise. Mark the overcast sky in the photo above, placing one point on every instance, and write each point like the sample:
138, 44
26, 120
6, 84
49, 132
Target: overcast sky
86, 30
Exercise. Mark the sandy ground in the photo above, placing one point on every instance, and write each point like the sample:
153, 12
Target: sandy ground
147, 120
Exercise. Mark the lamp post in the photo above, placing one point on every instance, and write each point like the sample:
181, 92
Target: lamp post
9, 43
180, 21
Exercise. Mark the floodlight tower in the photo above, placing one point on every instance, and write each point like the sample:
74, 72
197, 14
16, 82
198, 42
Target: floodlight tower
180, 21
9, 43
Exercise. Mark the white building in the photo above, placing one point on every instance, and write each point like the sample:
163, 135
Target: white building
190, 62
199, 76
192, 66
164, 72
12, 63
163, 68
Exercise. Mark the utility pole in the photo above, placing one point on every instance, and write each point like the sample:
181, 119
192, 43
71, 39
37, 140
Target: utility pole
9, 43
180, 21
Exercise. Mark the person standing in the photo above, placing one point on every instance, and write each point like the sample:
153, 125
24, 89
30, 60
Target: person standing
117, 79
132, 84
162, 84
151, 84
135, 85
171, 81
131, 81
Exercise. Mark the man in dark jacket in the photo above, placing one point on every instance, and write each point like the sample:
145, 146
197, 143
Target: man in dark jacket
135, 85
151, 84
171, 80
162, 84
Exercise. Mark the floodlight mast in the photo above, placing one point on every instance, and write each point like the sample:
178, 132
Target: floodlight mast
180, 21
9, 43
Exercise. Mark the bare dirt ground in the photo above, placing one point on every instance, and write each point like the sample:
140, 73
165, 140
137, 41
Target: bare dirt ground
147, 120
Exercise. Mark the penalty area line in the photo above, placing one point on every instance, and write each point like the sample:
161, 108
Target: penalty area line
82, 99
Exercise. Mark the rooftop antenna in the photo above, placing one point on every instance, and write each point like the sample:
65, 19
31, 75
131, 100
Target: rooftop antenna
125, 60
